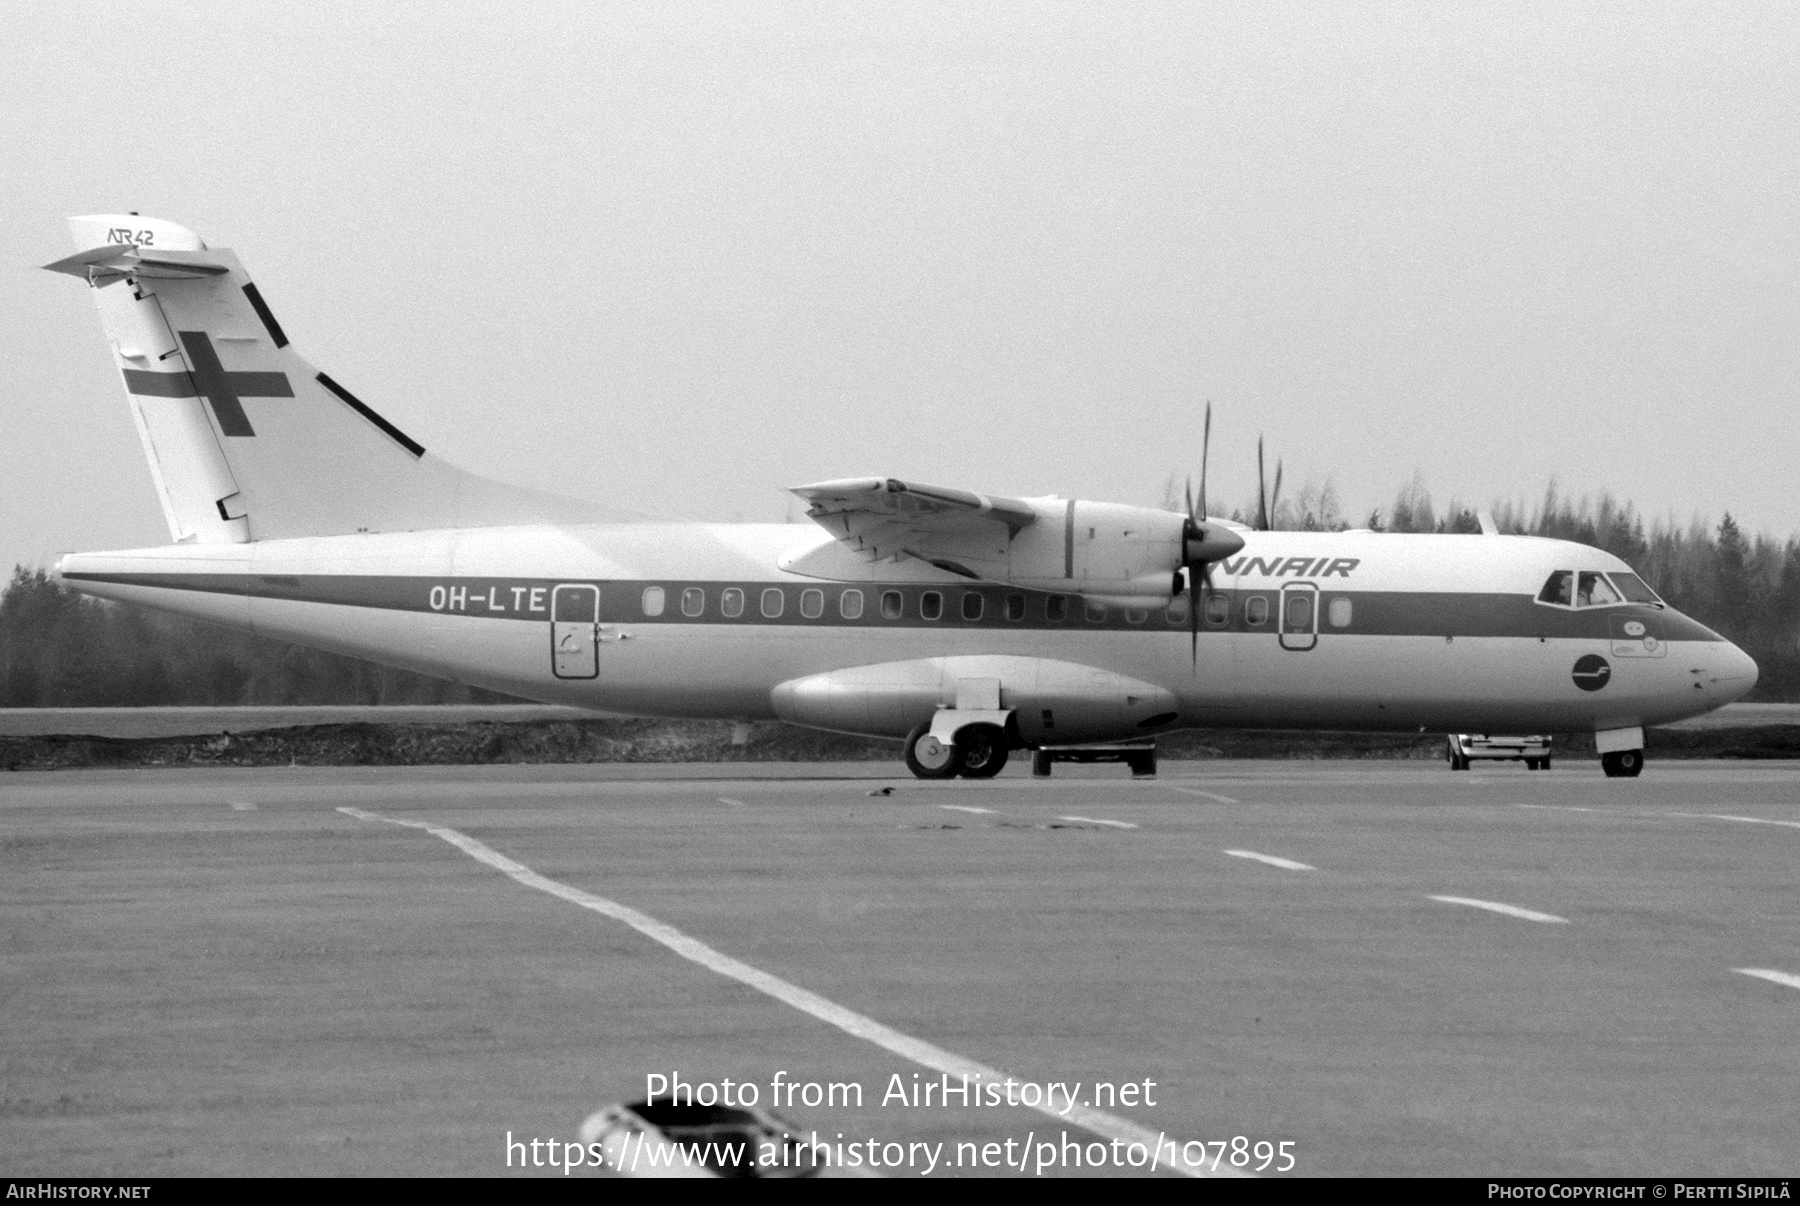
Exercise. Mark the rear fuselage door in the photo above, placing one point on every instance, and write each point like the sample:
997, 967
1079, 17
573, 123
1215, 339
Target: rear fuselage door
1299, 615
574, 631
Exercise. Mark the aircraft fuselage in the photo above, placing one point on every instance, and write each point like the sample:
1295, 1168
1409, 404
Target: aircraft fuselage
1367, 631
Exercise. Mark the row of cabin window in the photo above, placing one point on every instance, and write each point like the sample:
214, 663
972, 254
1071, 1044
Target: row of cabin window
931, 607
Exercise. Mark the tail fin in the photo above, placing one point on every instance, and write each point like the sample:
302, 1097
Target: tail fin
246, 440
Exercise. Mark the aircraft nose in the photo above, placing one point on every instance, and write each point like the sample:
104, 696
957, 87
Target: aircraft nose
1734, 673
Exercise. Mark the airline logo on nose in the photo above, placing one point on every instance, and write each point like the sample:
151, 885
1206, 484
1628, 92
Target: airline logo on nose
1592, 672
210, 380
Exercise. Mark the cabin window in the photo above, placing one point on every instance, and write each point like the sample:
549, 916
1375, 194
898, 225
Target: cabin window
1177, 611
1096, 612
1595, 591
1218, 609
1633, 588
693, 601
931, 605
892, 605
1056, 608
1015, 607
1559, 588
1136, 615
1338, 612
812, 603
850, 605
1256, 610
732, 602
972, 605
774, 602
653, 600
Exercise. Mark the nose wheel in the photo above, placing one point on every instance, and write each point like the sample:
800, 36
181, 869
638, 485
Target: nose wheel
1622, 764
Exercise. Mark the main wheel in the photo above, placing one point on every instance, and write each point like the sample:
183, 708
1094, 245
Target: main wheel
983, 748
1041, 762
1532, 764
1143, 764
929, 758
1622, 764
1457, 761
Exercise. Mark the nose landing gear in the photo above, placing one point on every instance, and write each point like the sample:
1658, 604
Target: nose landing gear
1622, 764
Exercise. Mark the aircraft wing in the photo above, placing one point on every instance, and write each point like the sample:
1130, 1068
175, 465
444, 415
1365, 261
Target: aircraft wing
883, 518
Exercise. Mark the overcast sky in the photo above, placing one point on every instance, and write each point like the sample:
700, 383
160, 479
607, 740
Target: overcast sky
680, 256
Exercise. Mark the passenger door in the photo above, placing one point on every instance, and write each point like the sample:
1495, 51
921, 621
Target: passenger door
1299, 615
575, 631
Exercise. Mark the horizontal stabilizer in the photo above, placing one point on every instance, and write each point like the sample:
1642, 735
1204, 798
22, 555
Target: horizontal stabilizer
97, 263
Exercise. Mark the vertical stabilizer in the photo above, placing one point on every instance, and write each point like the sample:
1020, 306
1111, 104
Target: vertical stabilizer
246, 440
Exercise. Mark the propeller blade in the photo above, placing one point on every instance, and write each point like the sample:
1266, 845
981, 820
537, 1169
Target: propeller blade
1262, 492
1205, 446
1187, 492
1275, 494
1193, 619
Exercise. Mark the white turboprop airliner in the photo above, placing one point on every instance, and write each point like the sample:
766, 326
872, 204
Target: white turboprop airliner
965, 624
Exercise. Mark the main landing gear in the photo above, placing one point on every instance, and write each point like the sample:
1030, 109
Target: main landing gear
979, 752
1622, 764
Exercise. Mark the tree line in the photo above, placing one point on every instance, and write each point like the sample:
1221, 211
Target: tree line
59, 648
62, 649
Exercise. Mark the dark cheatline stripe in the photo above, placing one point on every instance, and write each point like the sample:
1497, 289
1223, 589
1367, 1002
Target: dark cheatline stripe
268, 319
354, 403
1377, 613
159, 385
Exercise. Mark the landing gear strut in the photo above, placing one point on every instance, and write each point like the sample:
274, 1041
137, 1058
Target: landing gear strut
1622, 764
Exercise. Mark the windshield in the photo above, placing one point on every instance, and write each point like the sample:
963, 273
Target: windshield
1594, 591
1634, 588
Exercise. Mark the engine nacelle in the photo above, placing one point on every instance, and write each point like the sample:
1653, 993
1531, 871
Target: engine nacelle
1102, 550
1105, 551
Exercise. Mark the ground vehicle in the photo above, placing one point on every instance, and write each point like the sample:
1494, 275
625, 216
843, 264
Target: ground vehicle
1534, 752
1140, 756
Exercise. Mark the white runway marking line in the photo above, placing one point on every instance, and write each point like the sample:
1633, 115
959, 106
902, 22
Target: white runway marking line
1099, 821
1195, 791
242, 806
1719, 816
966, 808
1560, 807
1763, 973
868, 1029
732, 802
1494, 906
1286, 864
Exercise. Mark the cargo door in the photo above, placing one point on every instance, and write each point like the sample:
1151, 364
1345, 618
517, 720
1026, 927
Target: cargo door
575, 631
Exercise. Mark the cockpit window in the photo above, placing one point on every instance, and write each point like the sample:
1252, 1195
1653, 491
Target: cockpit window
1559, 589
1595, 591
1634, 588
